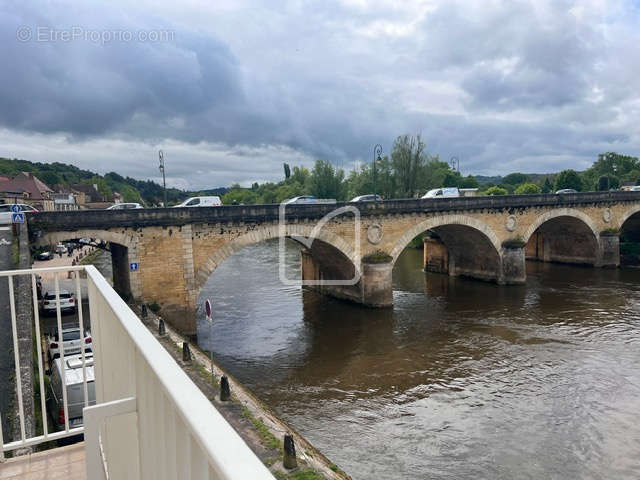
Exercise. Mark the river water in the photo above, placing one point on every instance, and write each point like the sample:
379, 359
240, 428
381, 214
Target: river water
460, 380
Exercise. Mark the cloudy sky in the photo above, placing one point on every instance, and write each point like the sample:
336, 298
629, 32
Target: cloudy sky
231, 89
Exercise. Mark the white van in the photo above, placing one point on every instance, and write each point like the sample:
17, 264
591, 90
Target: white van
442, 192
74, 382
213, 201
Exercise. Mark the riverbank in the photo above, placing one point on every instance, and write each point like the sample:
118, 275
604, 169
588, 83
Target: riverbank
255, 422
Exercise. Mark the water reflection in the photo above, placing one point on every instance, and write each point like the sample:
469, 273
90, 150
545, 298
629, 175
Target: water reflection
461, 379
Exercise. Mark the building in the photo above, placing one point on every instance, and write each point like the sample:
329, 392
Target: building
63, 201
25, 187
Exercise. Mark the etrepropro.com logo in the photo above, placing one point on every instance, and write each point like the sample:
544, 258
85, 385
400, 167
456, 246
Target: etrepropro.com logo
316, 233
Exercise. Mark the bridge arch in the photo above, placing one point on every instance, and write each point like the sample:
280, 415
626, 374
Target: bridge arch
561, 212
563, 235
471, 247
124, 251
444, 220
346, 255
627, 215
51, 238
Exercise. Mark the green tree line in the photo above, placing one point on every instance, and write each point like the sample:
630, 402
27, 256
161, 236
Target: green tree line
408, 171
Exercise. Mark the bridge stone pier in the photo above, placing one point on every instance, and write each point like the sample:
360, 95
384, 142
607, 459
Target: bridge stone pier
486, 238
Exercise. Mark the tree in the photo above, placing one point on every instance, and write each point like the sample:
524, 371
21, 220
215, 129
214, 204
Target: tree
50, 178
408, 158
301, 175
434, 174
568, 179
547, 187
515, 179
287, 171
607, 182
496, 191
452, 179
527, 189
469, 182
326, 181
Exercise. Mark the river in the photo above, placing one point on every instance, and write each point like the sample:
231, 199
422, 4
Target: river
460, 380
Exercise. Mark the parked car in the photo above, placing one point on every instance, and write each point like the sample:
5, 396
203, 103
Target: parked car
635, 188
301, 199
367, 198
6, 213
212, 201
442, 192
74, 384
60, 248
71, 339
44, 256
566, 190
124, 206
49, 303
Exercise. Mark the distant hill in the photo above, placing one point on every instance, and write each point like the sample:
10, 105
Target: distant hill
132, 190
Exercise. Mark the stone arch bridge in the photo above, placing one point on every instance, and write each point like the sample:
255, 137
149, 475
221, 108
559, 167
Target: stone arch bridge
352, 255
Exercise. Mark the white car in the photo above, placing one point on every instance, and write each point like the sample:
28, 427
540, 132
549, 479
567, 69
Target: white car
72, 342
124, 206
442, 193
212, 201
49, 303
6, 213
367, 198
60, 248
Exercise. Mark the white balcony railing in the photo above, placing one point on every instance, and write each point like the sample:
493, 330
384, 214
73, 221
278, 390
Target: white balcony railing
150, 421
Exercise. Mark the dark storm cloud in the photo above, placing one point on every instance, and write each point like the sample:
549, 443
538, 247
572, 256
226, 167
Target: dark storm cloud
532, 85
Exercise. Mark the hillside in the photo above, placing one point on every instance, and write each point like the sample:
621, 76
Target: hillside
132, 190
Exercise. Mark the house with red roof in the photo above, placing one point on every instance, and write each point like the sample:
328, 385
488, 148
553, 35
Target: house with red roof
27, 188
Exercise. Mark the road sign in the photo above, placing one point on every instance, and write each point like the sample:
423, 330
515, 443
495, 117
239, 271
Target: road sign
133, 266
15, 208
18, 217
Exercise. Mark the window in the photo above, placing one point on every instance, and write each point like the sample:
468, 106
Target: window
72, 335
191, 203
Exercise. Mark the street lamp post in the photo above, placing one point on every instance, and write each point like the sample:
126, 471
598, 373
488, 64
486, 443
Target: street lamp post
164, 182
377, 157
455, 164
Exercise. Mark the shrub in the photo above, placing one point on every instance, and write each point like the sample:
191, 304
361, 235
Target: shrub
496, 191
377, 257
527, 189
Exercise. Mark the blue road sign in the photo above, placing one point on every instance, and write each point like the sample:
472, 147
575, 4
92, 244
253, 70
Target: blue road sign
15, 208
18, 217
133, 266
